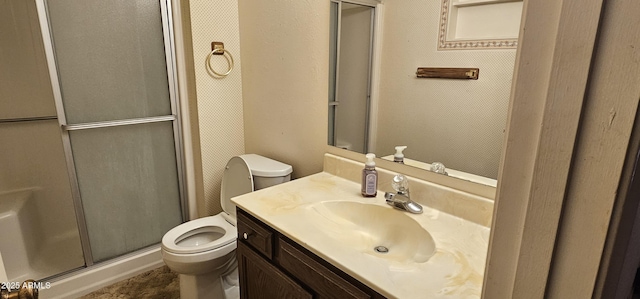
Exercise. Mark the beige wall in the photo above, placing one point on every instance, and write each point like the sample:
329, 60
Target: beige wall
457, 122
219, 101
285, 80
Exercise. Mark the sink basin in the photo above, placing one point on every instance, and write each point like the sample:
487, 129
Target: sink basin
372, 228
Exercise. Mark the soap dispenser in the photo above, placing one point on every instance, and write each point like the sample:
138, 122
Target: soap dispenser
398, 157
370, 177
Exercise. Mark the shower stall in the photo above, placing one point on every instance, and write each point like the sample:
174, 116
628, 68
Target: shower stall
91, 162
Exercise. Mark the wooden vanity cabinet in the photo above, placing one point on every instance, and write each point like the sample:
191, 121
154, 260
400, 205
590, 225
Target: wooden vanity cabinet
272, 266
260, 279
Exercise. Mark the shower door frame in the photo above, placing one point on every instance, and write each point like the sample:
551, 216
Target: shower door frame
372, 78
170, 57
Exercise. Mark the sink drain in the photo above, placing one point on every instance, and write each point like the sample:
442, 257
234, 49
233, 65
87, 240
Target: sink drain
381, 249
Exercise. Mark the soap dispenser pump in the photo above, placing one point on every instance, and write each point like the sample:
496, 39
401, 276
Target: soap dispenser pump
398, 157
370, 177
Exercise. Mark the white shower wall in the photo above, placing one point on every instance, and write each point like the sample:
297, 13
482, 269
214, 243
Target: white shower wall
32, 153
3, 274
34, 159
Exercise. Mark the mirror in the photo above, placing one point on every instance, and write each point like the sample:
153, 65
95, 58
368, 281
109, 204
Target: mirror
376, 101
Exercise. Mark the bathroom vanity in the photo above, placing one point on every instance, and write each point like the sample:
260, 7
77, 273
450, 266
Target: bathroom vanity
270, 265
317, 237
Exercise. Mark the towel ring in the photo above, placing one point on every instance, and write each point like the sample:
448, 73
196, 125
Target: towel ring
228, 57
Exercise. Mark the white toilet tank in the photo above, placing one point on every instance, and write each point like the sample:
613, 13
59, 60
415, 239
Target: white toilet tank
267, 172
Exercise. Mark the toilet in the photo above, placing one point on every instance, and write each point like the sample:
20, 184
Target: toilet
202, 251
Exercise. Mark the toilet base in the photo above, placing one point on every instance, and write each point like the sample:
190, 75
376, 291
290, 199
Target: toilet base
201, 286
231, 284
211, 285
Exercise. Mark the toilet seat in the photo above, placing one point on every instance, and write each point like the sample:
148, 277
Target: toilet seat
199, 235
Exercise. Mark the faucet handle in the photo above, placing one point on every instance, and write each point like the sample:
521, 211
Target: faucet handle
400, 183
438, 167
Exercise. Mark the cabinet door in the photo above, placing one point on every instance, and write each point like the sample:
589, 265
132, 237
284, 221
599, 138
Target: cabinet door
324, 282
259, 279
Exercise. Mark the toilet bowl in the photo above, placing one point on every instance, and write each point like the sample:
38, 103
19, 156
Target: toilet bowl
202, 251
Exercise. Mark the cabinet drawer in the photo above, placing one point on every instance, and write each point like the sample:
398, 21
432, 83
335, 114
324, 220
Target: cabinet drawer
255, 235
322, 280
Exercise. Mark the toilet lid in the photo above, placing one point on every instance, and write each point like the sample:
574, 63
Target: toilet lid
237, 180
199, 235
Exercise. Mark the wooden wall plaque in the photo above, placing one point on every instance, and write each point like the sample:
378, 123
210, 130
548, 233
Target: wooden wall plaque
448, 73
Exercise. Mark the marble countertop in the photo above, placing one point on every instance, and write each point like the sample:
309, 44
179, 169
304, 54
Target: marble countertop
454, 271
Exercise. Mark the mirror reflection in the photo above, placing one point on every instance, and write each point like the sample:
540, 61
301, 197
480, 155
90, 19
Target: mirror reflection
376, 102
351, 45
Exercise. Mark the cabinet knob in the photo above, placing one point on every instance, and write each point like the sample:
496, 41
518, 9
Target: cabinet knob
245, 236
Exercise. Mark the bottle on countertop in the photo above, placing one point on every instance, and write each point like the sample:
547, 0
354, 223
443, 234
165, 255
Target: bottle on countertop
398, 157
369, 177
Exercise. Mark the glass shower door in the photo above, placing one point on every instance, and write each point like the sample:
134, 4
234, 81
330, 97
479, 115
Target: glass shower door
39, 235
116, 90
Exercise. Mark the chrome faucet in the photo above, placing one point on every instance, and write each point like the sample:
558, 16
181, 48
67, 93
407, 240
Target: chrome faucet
401, 199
